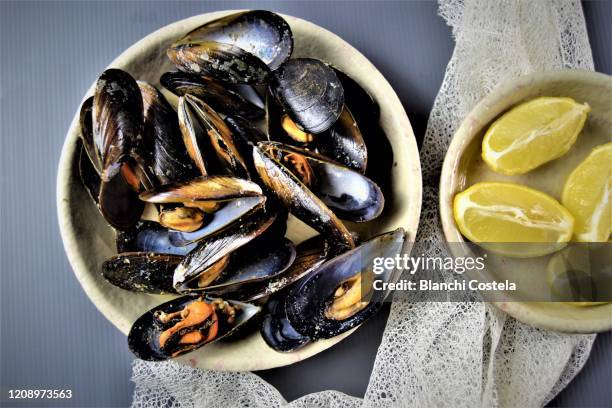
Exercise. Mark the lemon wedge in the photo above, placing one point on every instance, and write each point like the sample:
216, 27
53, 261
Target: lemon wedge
512, 219
587, 194
532, 134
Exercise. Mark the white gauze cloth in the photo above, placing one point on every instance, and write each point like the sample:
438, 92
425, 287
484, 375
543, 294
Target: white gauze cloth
459, 354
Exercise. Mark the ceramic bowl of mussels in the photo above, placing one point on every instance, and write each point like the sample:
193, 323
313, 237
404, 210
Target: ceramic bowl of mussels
226, 184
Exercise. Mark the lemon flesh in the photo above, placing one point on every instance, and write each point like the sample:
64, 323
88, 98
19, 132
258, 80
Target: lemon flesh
512, 214
532, 134
587, 194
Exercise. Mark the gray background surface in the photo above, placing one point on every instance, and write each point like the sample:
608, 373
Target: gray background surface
51, 335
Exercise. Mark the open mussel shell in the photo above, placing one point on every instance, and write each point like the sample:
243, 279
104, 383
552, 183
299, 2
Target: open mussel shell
119, 203
148, 236
309, 255
146, 272
224, 217
185, 324
349, 194
209, 259
310, 93
220, 137
117, 120
262, 33
251, 265
308, 302
225, 62
300, 201
219, 96
202, 189
344, 142
168, 159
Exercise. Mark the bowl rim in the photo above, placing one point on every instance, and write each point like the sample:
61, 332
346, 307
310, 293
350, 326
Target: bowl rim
63, 186
526, 312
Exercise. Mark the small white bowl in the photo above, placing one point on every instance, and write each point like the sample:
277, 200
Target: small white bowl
463, 166
88, 240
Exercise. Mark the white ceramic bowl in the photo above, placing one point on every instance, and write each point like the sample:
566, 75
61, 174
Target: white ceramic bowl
88, 240
463, 166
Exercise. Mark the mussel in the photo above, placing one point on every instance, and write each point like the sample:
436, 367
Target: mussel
351, 195
117, 120
223, 99
142, 271
239, 48
185, 324
167, 156
148, 236
310, 93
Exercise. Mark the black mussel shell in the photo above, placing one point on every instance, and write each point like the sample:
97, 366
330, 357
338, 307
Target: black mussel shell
349, 194
276, 329
117, 120
89, 177
246, 136
146, 272
202, 189
219, 96
262, 33
220, 137
119, 203
344, 142
308, 300
256, 262
149, 236
224, 217
310, 93
166, 157
143, 339
194, 136
225, 62
310, 254
300, 201
214, 250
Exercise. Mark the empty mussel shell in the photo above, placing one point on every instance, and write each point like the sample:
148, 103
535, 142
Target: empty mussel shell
148, 236
165, 154
221, 97
117, 120
208, 260
262, 33
350, 194
310, 93
146, 272
185, 324
339, 295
